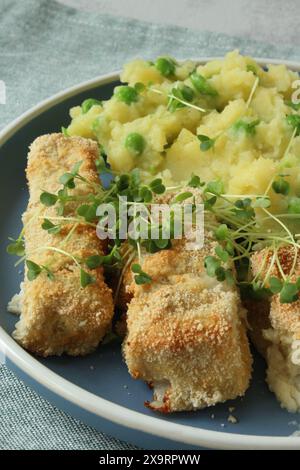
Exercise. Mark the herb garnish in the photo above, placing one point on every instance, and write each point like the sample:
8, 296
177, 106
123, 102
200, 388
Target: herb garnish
231, 218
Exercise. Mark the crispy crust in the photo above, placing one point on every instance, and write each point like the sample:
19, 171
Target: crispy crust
59, 316
186, 334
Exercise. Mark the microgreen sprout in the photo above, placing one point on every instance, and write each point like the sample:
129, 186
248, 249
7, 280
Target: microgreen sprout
48, 199
231, 219
195, 182
16, 247
86, 278
280, 186
206, 142
140, 276
50, 227
178, 98
249, 128
34, 270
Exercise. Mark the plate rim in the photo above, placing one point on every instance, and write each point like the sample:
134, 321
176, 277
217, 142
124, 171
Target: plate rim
93, 403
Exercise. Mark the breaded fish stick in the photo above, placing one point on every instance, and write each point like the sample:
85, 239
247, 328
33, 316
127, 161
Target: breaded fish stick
186, 333
59, 315
275, 330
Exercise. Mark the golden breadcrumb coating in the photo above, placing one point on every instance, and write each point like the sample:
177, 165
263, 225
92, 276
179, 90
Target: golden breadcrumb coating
58, 315
275, 329
186, 332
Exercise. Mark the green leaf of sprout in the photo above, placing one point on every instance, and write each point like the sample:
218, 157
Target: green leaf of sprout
289, 293
262, 201
195, 182
209, 203
33, 270
145, 194
222, 232
86, 278
248, 127
136, 268
221, 253
206, 142
211, 264
17, 248
230, 248
94, 261
220, 274
157, 186
281, 186
142, 278
67, 179
182, 197
87, 211
48, 199
275, 285
50, 227
294, 205
215, 187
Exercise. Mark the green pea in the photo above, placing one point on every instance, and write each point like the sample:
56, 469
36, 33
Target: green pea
202, 85
294, 205
165, 66
187, 93
135, 143
89, 103
127, 94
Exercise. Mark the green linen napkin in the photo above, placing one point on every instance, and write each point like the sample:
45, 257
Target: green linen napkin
44, 48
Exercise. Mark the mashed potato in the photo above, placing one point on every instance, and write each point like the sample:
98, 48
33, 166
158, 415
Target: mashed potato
237, 91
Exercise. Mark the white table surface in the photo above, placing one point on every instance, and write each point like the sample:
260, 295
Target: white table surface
274, 21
